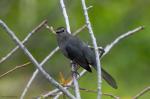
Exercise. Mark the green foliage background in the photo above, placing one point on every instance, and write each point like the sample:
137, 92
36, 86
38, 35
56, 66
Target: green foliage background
128, 61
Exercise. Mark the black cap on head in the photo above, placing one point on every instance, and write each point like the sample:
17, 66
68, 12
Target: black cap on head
60, 30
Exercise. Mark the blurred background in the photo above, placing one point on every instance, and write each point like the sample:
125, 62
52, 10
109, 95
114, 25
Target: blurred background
128, 61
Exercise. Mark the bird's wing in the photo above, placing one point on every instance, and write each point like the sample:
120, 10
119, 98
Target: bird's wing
75, 53
89, 55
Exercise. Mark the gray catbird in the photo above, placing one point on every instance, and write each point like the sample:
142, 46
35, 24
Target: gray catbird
79, 52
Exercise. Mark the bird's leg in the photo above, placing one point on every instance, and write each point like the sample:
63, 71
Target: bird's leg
75, 67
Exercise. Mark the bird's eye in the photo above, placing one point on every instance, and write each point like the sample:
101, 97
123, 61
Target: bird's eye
60, 30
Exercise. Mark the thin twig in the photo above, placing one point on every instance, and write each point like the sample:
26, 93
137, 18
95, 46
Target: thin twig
105, 94
119, 38
56, 95
44, 61
141, 93
49, 94
33, 60
16, 67
36, 72
89, 7
77, 91
41, 64
75, 81
123, 36
83, 89
99, 78
79, 30
65, 15
24, 41
110, 95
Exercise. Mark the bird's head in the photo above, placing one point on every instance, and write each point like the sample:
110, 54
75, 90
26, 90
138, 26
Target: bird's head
62, 35
61, 30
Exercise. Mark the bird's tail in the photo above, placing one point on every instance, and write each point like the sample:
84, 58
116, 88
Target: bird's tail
109, 79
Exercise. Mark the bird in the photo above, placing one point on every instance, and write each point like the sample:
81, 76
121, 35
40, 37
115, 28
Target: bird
79, 52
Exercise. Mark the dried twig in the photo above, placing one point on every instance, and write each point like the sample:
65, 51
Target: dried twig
56, 94
89, 7
75, 82
16, 67
141, 93
99, 78
123, 36
79, 30
105, 94
33, 60
24, 41
77, 91
110, 95
36, 72
83, 89
65, 15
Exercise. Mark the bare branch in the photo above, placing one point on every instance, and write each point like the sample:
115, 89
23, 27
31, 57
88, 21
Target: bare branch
24, 41
51, 93
89, 7
77, 91
79, 30
65, 15
56, 93
25, 50
141, 93
41, 64
110, 95
16, 67
75, 82
36, 71
84, 89
105, 94
123, 36
99, 78
57, 96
